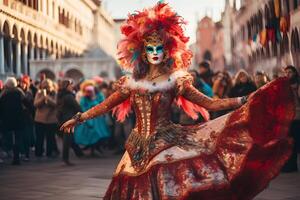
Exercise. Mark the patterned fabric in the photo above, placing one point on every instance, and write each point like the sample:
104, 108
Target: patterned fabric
232, 157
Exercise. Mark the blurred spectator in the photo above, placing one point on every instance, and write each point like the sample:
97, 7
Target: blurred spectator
205, 72
222, 84
67, 107
293, 75
261, 79
200, 84
1, 86
33, 87
12, 115
28, 134
93, 131
42, 77
83, 85
45, 118
243, 85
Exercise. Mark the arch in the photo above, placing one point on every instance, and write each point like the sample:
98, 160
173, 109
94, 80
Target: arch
22, 36
6, 29
61, 50
7, 47
51, 46
74, 74
57, 51
41, 41
49, 74
35, 39
15, 34
46, 43
63, 16
29, 38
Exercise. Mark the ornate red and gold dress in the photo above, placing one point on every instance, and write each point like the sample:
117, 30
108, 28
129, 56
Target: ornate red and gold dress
230, 158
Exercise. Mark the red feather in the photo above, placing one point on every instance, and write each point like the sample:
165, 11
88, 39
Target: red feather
192, 109
122, 110
162, 19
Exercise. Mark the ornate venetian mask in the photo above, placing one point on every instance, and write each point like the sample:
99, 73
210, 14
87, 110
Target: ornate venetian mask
154, 50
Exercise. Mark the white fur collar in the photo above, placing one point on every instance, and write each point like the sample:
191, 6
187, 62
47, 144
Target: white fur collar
153, 86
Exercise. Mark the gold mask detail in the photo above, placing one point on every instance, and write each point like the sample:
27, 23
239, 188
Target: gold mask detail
153, 39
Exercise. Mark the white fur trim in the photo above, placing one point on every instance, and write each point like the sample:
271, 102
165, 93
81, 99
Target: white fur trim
153, 86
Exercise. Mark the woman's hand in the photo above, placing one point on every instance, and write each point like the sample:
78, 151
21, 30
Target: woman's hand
69, 126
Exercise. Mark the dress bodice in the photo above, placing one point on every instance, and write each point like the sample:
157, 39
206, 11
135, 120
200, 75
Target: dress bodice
152, 110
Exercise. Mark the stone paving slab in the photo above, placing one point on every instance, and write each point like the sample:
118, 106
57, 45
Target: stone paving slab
89, 179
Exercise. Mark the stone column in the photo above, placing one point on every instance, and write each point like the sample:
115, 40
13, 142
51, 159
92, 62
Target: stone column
2, 69
18, 58
10, 59
38, 53
25, 60
44, 54
31, 57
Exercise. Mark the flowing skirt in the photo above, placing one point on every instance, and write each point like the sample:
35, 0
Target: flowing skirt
238, 155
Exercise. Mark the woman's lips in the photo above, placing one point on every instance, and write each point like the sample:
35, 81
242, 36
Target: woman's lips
155, 58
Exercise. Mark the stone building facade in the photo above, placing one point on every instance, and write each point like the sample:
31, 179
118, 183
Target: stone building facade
210, 43
32, 31
265, 35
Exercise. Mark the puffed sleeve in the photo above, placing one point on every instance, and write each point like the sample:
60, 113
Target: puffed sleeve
185, 88
121, 94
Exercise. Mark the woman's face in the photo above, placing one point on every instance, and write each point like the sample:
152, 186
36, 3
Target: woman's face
243, 78
155, 53
70, 87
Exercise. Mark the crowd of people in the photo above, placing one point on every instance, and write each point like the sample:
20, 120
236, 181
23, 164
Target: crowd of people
32, 111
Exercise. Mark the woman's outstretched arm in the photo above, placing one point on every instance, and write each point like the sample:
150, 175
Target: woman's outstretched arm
113, 100
186, 89
122, 93
193, 95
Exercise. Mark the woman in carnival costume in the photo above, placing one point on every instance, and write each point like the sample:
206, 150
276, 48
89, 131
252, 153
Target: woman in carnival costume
232, 157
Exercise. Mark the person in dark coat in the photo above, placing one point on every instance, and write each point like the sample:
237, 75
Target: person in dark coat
12, 115
67, 107
205, 72
28, 133
293, 75
243, 85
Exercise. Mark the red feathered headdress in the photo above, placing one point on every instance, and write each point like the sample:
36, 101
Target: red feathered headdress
162, 19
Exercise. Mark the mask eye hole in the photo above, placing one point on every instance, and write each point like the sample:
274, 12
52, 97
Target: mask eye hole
159, 49
149, 49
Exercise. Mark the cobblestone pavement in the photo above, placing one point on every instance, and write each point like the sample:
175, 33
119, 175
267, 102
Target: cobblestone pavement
88, 179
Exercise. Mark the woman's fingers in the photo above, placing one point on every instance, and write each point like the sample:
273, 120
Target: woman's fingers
67, 127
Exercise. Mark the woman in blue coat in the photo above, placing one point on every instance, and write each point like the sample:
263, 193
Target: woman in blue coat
91, 133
